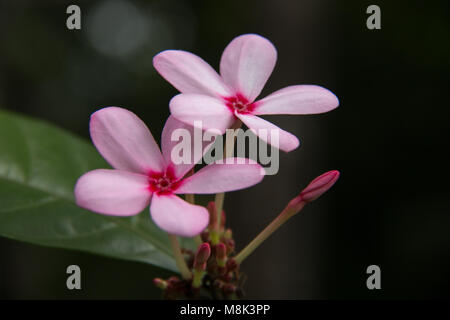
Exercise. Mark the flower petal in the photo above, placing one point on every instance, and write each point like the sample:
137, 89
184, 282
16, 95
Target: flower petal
189, 73
210, 113
304, 99
265, 129
247, 63
125, 141
176, 216
174, 133
233, 174
112, 192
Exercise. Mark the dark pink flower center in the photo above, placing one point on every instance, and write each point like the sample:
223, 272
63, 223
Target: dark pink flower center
240, 104
163, 182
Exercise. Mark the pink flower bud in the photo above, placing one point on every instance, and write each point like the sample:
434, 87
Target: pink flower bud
228, 234
319, 186
232, 264
230, 245
173, 282
202, 256
160, 283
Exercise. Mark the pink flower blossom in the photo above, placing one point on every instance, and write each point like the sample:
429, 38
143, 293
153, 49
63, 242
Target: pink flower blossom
218, 100
143, 176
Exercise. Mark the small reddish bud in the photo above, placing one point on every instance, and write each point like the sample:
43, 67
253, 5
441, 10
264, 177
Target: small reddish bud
319, 186
228, 234
200, 261
231, 264
173, 280
202, 256
160, 283
230, 245
173, 283
228, 276
221, 255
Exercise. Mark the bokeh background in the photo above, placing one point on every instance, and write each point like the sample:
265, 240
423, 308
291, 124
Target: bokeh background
389, 137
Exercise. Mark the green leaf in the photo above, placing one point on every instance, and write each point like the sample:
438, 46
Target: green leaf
39, 165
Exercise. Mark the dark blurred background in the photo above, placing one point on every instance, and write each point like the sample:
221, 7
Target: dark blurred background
388, 138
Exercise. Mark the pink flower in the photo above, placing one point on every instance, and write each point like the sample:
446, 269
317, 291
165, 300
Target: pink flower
143, 176
218, 100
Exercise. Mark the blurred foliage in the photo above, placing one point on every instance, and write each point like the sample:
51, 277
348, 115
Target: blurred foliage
39, 166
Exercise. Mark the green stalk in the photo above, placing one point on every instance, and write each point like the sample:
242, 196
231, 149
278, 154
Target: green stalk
290, 210
220, 197
179, 259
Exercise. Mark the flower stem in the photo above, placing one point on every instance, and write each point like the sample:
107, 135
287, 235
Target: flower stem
284, 216
314, 190
220, 197
181, 263
228, 151
189, 197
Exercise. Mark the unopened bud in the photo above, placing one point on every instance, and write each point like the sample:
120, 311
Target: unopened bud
200, 261
173, 280
230, 245
319, 186
221, 255
202, 256
173, 283
232, 264
228, 234
227, 276
160, 283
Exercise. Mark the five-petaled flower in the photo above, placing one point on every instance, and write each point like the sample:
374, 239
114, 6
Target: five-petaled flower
143, 176
218, 100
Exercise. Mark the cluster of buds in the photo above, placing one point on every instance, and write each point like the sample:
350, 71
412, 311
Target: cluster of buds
215, 274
